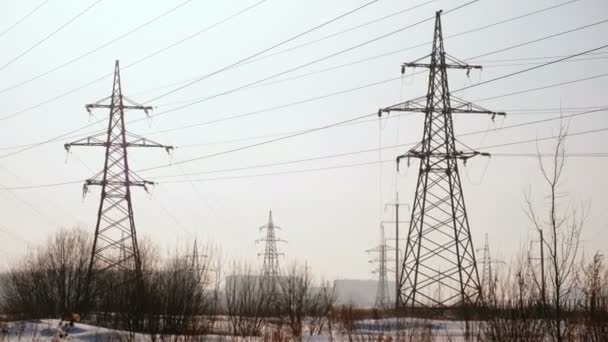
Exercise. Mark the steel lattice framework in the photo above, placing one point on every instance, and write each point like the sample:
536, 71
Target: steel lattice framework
487, 278
115, 242
439, 267
382, 293
270, 267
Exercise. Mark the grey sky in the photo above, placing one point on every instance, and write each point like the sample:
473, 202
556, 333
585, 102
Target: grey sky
329, 217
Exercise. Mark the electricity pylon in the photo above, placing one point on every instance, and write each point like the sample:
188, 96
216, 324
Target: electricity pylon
382, 294
270, 266
488, 282
396, 204
439, 251
115, 243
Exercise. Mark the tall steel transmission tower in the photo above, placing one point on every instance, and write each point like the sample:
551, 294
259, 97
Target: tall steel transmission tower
382, 294
488, 282
439, 253
115, 242
271, 254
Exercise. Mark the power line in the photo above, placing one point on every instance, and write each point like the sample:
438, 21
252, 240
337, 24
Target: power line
140, 60
43, 142
466, 32
40, 186
104, 76
344, 31
310, 131
511, 111
544, 87
452, 36
350, 120
388, 147
592, 154
40, 104
585, 155
232, 117
540, 39
311, 42
230, 66
114, 40
297, 67
265, 84
47, 37
38, 144
530, 69
260, 111
24, 148
262, 143
534, 58
393, 116
27, 15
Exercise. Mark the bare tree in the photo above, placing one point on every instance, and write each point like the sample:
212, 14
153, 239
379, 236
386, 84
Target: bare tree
564, 224
595, 289
319, 313
50, 280
295, 299
247, 309
512, 311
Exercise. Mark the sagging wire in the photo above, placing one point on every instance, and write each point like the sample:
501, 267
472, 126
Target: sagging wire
380, 194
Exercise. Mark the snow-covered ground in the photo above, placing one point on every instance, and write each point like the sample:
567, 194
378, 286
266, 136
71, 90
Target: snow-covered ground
50, 330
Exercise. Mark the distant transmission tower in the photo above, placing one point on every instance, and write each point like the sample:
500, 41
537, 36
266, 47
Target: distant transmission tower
270, 267
487, 275
115, 242
439, 251
382, 294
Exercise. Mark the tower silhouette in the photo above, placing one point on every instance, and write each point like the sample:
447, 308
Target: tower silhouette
439, 253
270, 266
382, 293
115, 244
487, 277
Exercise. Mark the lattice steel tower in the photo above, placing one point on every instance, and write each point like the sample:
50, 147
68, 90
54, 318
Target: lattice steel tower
382, 293
115, 242
487, 277
270, 267
439, 267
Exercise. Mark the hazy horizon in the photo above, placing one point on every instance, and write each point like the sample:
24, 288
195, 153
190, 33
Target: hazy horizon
329, 208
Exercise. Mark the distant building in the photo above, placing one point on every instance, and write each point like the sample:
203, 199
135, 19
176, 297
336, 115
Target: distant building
361, 293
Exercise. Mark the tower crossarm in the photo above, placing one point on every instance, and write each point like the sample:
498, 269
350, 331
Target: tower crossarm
458, 106
462, 155
447, 66
100, 140
140, 183
132, 106
146, 109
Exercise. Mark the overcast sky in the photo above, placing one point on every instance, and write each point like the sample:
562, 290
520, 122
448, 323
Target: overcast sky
329, 217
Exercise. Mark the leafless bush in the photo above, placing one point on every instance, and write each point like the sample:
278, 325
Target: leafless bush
595, 289
181, 296
50, 280
299, 304
564, 224
247, 309
319, 313
176, 297
513, 313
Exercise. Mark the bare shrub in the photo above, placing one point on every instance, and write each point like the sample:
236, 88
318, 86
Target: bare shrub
50, 280
513, 312
299, 304
564, 224
595, 308
247, 309
319, 312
